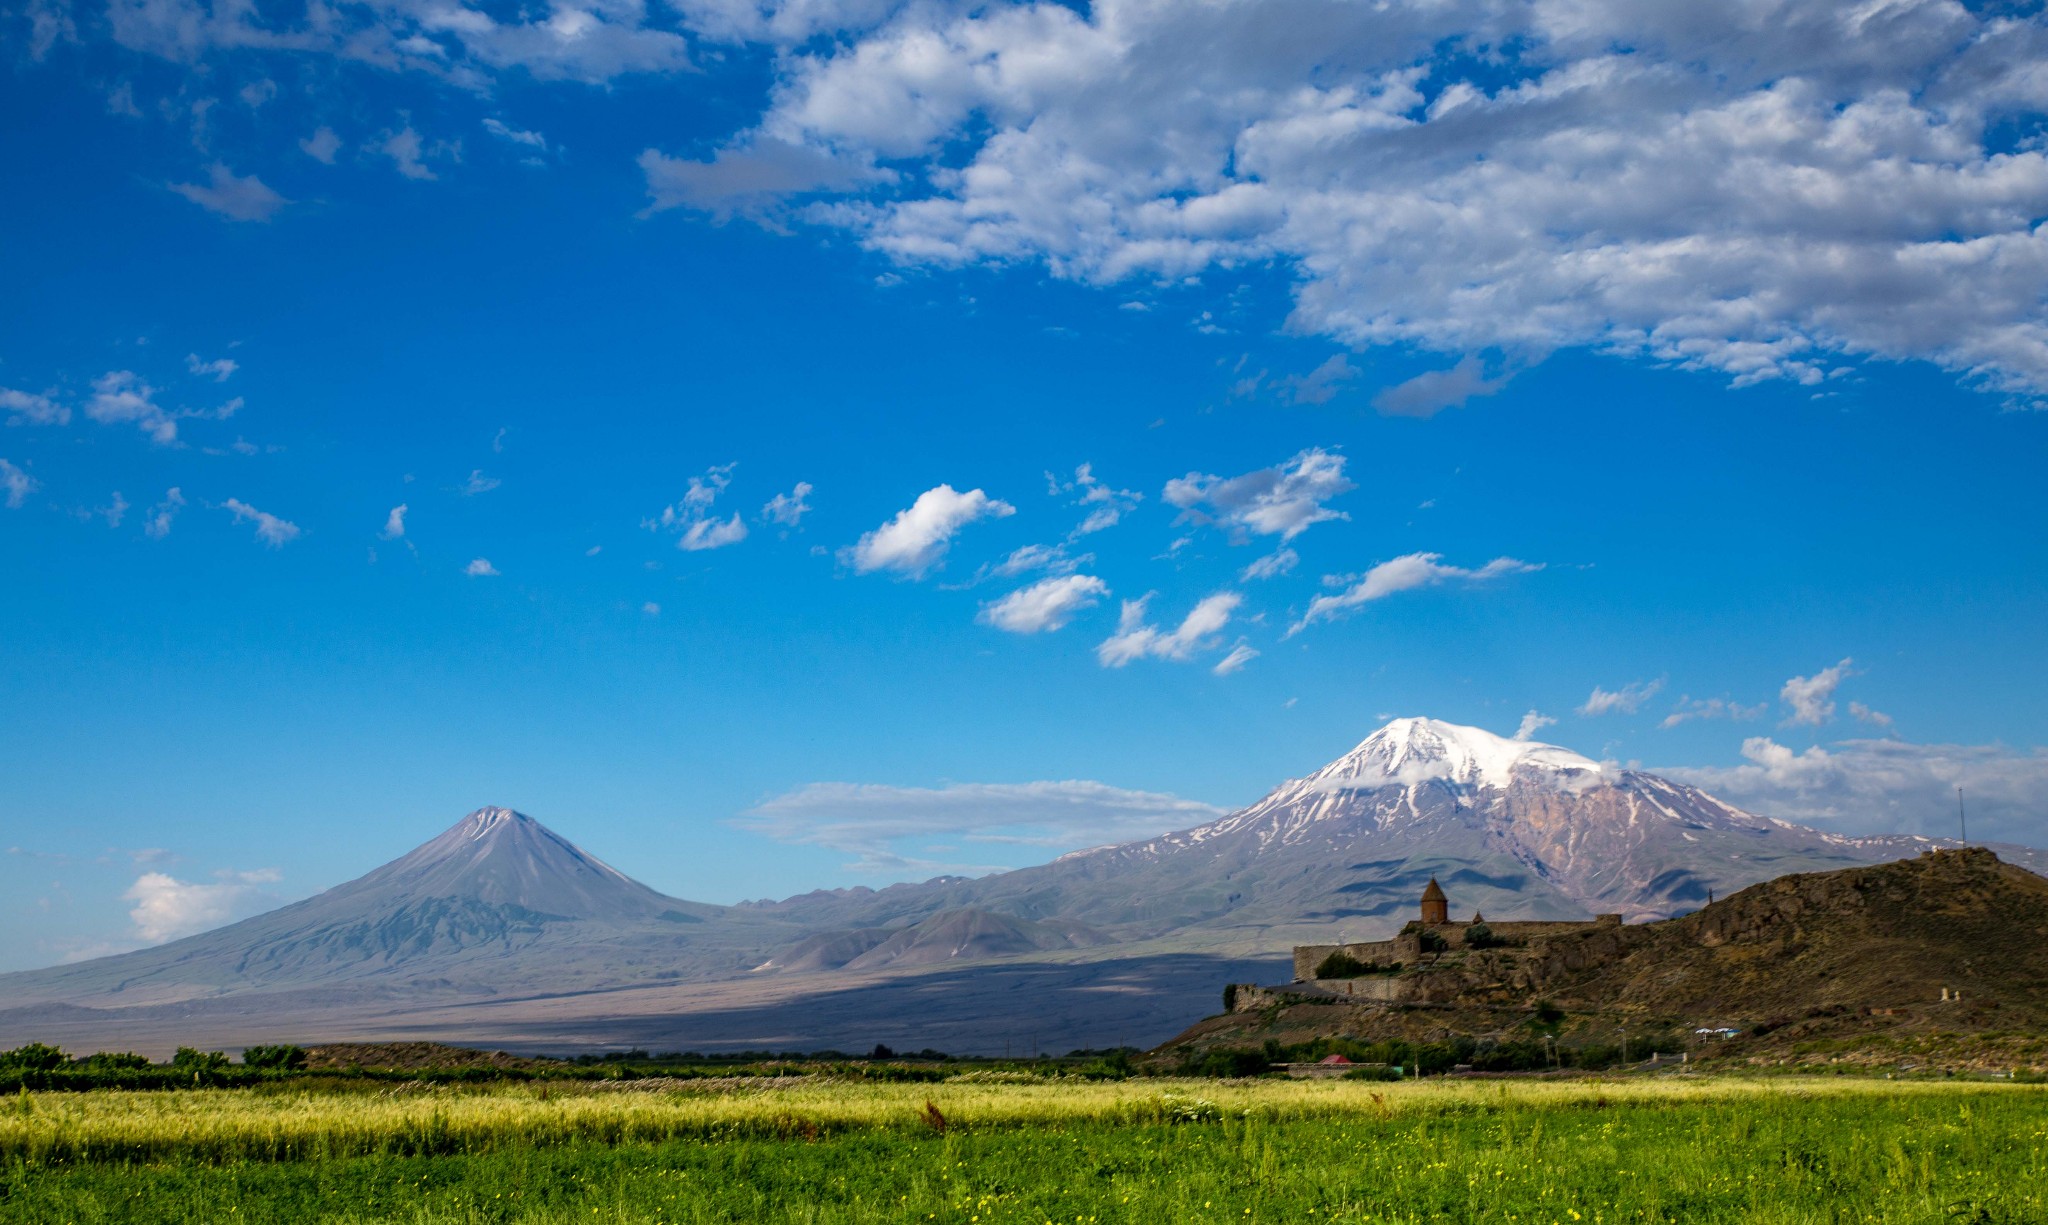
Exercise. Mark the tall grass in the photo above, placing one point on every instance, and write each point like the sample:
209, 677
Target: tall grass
284, 1125
1776, 1153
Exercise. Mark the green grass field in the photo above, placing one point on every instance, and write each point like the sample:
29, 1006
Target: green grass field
1678, 1150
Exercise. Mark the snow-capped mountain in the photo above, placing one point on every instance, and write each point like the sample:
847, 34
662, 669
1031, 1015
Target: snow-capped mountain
1516, 828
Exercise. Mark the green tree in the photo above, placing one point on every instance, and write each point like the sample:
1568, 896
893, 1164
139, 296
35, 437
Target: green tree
35, 1057
274, 1057
191, 1059
1342, 965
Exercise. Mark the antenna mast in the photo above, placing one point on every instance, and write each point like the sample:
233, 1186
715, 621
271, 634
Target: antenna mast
1962, 822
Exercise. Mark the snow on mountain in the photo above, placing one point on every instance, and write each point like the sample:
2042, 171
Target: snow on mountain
1519, 828
499, 857
1411, 751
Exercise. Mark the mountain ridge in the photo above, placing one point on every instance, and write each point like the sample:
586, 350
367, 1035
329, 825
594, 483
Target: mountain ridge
500, 908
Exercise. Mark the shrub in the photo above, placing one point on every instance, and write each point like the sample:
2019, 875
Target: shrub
274, 1057
1342, 965
1432, 942
1233, 1064
191, 1059
35, 1057
1480, 936
1230, 997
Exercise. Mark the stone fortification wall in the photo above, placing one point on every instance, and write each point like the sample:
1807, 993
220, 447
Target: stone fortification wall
1406, 948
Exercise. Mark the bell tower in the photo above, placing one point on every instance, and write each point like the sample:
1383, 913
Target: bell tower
1436, 908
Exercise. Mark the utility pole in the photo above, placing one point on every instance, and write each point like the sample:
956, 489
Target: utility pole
1962, 822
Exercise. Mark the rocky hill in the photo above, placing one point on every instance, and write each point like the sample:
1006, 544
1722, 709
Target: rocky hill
1894, 936
1951, 943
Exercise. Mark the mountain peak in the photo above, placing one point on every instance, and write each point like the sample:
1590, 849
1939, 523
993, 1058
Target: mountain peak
490, 817
500, 856
1416, 750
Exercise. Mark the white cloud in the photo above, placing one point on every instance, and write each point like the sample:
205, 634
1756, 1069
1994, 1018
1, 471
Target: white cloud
531, 140
27, 408
1321, 385
1051, 558
233, 196
219, 368
1887, 786
1405, 573
114, 511
322, 145
394, 523
704, 490
690, 518
750, 178
1045, 605
788, 509
1432, 391
917, 538
1136, 639
874, 822
409, 153
1106, 504
1533, 722
167, 908
1239, 656
1812, 698
158, 525
712, 534
1282, 501
120, 397
1690, 708
651, 609
593, 41
1756, 190
1628, 699
270, 529
478, 483
15, 485
1272, 565
480, 567
1864, 714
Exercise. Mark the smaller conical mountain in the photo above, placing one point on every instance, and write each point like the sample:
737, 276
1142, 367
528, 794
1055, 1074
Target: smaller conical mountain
498, 857
494, 889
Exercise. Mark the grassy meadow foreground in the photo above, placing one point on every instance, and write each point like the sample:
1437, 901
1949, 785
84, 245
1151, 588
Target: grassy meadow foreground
980, 1150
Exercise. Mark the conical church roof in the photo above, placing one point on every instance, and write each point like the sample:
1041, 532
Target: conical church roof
1434, 893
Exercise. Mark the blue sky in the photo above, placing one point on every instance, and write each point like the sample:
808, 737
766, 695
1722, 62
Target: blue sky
1679, 385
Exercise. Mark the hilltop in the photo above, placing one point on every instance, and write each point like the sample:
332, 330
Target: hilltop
1945, 954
